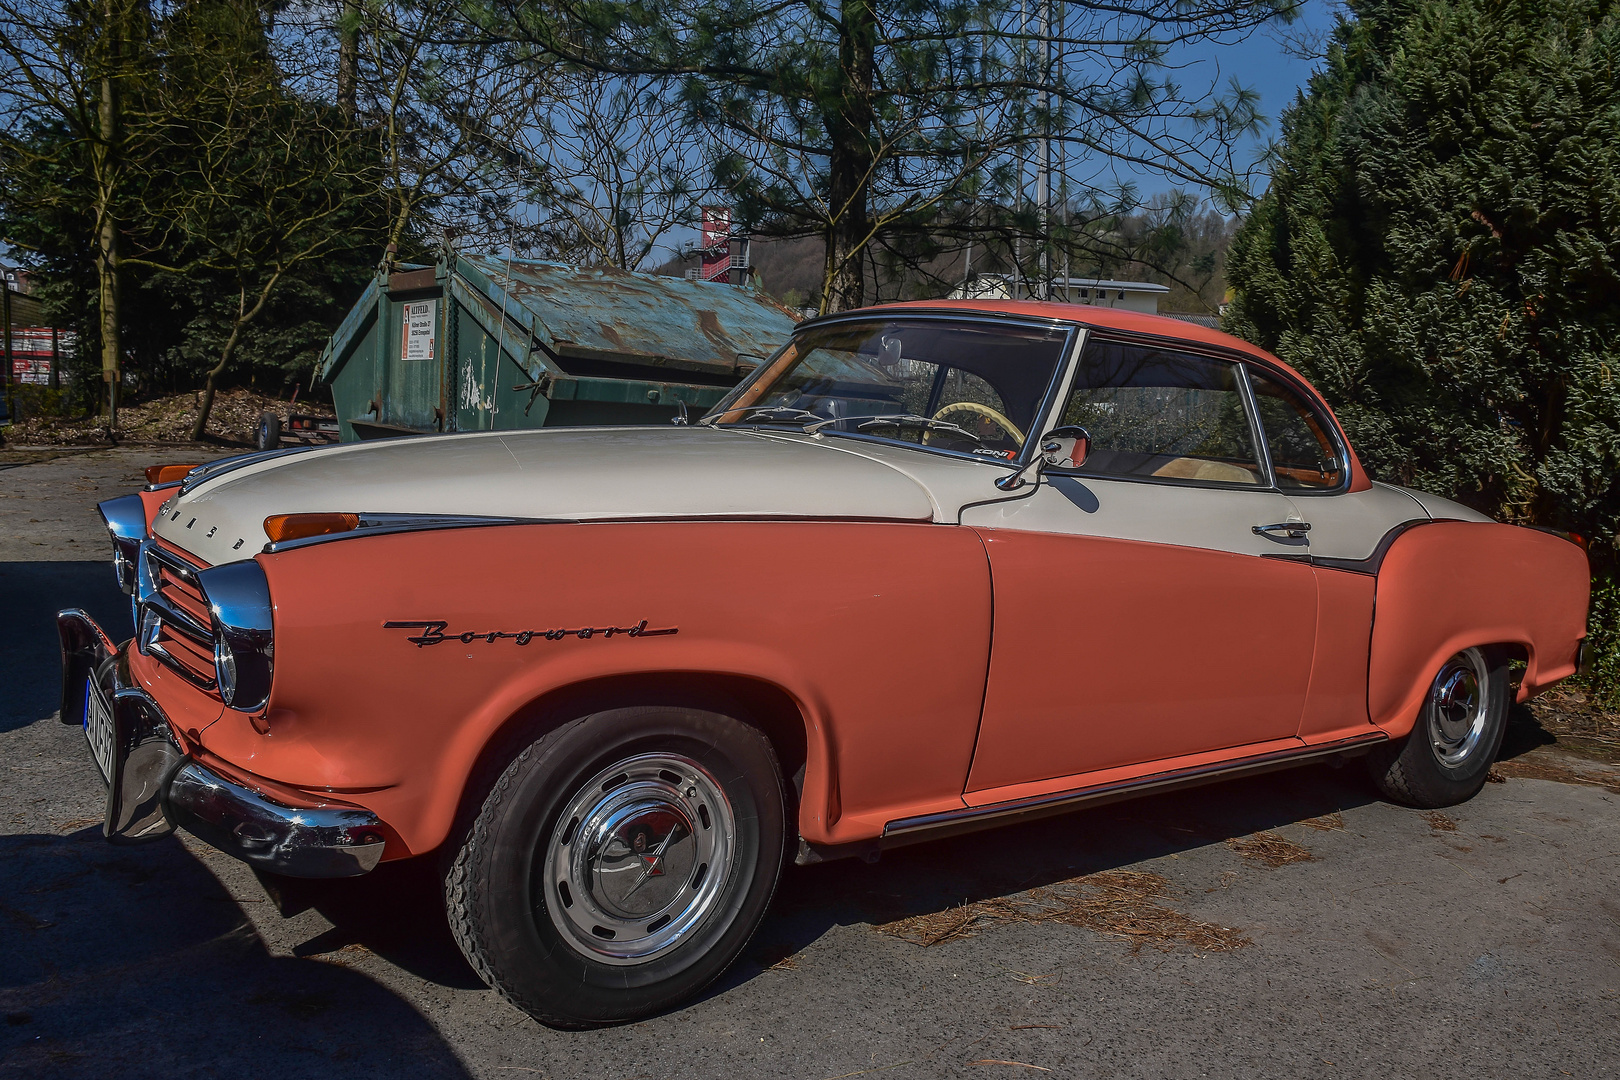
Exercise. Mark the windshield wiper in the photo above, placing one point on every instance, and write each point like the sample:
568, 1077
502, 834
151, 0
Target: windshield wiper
767, 414
893, 420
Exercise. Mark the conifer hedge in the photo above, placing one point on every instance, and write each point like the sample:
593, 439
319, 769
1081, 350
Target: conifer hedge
1439, 252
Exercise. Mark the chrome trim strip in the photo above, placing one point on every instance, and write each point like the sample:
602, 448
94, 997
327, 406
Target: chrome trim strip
1257, 433
173, 562
184, 622
901, 311
928, 825
382, 524
155, 648
204, 473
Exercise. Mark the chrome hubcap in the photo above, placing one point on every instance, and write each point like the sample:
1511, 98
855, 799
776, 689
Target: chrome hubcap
1457, 707
639, 858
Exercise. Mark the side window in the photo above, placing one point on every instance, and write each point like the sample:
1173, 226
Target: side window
1303, 455
1153, 413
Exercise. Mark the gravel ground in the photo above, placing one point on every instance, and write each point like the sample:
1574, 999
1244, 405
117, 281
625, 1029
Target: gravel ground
1484, 941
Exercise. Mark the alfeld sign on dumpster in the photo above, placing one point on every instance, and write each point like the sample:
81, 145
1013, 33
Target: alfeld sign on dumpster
481, 342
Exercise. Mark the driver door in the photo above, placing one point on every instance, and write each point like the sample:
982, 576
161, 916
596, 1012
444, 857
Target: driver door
1139, 614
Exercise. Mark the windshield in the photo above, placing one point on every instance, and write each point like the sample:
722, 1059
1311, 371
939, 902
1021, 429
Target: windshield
964, 386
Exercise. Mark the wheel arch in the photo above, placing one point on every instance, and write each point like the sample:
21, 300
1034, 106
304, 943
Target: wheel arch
1455, 585
757, 702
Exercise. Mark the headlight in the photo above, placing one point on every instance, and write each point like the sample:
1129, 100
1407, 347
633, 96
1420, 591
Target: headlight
238, 596
225, 669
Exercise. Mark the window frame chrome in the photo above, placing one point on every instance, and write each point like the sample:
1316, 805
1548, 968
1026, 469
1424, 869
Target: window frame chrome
1068, 352
1256, 428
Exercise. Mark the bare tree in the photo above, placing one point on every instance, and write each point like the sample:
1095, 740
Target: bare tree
77, 67
608, 178
859, 121
259, 181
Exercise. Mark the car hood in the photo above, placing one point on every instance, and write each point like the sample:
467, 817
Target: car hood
575, 474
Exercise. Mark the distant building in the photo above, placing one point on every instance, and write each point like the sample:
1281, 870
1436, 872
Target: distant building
35, 350
1141, 296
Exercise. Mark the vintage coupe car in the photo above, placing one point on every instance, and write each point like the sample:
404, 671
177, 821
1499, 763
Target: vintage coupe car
614, 677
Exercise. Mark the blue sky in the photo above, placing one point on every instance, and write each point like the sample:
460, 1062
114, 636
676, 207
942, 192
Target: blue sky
1265, 62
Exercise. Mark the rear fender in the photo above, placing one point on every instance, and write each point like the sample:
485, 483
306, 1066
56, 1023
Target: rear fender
1454, 585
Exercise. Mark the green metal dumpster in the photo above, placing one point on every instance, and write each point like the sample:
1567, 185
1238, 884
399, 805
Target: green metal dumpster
482, 342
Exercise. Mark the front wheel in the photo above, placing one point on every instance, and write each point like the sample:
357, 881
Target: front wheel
620, 864
1454, 742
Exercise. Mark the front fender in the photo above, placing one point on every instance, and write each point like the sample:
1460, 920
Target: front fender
878, 632
1453, 585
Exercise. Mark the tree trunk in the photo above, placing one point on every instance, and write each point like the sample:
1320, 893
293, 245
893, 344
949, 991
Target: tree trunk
213, 380
104, 156
243, 317
849, 168
348, 73
111, 341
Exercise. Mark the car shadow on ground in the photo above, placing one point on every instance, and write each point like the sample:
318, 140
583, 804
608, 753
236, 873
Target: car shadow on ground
137, 962
396, 911
30, 656
933, 877
1524, 733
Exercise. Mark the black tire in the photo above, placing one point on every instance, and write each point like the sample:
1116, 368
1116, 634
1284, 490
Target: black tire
1445, 761
521, 929
268, 435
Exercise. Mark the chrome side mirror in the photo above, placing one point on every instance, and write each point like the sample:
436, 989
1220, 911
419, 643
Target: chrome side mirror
1064, 447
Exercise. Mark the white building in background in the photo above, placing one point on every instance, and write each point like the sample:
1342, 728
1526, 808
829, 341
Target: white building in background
1143, 296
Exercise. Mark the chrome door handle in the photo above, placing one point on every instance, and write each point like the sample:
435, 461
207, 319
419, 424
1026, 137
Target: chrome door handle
1294, 530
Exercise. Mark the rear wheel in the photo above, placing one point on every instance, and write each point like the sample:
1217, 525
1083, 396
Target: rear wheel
1454, 742
620, 864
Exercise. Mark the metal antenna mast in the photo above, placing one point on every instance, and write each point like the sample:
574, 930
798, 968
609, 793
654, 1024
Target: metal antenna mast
1043, 174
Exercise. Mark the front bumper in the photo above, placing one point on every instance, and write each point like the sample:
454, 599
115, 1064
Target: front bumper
154, 786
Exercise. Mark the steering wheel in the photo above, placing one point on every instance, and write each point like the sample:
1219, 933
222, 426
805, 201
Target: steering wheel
973, 408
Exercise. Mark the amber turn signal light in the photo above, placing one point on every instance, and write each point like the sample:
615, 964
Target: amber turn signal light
163, 474
279, 527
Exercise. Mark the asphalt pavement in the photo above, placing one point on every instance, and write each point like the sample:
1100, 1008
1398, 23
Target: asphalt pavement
1481, 942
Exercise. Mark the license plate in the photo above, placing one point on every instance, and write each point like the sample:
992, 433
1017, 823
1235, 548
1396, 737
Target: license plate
98, 726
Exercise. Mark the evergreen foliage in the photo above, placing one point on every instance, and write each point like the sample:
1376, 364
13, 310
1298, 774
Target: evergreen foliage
1439, 253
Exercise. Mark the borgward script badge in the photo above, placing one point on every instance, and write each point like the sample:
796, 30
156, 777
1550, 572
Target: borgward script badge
433, 633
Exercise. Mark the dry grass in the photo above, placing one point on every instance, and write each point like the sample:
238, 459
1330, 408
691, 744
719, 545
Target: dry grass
1528, 768
1326, 823
1271, 849
1004, 1061
77, 823
1439, 822
1581, 725
235, 416
1116, 903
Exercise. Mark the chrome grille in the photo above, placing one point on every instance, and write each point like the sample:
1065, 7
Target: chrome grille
173, 623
